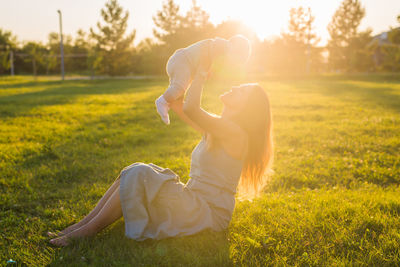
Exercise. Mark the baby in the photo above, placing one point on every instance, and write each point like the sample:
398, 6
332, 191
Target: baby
182, 65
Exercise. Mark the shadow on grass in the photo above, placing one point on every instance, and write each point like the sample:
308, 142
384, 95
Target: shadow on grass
99, 143
21, 83
31, 83
379, 94
57, 93
112, 248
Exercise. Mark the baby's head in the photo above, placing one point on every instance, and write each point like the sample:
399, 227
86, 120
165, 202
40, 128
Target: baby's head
239, 49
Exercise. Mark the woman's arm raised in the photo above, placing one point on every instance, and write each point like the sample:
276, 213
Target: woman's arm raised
210, 123
177, 107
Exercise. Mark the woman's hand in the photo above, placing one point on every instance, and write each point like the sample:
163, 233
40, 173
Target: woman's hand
177, 103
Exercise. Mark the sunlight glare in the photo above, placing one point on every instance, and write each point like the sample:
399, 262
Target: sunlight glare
266, 18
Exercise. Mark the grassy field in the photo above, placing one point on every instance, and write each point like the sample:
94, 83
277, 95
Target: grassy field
334, 198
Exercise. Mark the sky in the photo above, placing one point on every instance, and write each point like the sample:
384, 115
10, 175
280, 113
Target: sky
33, 20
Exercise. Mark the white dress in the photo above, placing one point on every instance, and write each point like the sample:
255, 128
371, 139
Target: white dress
156, 205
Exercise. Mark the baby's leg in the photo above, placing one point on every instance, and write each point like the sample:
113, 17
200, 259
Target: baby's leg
179, 80
179, 73
168, 96
173, 92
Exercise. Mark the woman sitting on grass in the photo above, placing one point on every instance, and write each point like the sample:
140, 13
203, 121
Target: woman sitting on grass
235, 153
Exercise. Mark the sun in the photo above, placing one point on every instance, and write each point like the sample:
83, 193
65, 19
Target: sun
265, 18
263, 22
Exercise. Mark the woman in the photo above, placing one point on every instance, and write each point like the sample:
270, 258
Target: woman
235, 146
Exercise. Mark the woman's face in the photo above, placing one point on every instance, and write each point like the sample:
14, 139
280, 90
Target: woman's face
236, 98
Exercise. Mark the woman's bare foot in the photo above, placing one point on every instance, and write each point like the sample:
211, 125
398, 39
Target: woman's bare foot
53, 234
85, 230
65, 231
60, 241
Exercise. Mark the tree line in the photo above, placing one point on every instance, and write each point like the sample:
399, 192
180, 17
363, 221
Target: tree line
108, 48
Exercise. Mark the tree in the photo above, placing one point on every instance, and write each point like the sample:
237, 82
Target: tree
176, 31
301, 29
343, 29
150, 57
360, 52
113, 49
394, 34
273, 56
53, 48
228, 28
195, 26
8, 42
167, 20
52, 59
196, 18
391, 50
301, 41
81, 51
391, 57
36, 52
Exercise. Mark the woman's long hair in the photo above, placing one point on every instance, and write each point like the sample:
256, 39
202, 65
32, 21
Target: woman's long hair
256, 120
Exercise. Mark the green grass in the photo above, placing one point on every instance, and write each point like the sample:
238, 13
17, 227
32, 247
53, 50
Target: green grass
334, 198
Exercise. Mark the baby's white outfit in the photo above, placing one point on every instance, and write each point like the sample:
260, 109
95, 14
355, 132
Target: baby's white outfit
182, 66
